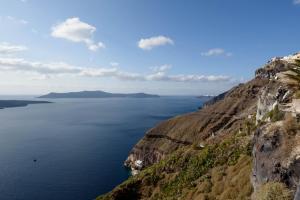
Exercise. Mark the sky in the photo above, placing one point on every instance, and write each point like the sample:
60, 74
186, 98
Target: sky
166, 47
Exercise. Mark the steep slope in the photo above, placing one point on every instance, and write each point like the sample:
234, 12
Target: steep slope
205, 125
243, 144
276, 150
191, 173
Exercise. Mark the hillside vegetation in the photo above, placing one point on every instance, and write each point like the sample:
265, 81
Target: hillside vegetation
244, 144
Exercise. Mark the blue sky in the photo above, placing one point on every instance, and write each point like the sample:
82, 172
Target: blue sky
167, 47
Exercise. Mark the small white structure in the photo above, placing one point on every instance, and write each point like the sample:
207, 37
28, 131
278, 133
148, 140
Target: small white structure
134, 172
275, 59
138, 164
291, 57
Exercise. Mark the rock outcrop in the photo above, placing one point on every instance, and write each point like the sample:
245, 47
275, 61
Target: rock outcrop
276, 156
276, 150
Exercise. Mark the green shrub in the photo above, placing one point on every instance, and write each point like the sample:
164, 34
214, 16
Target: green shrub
276, 114
274, 191
180, 173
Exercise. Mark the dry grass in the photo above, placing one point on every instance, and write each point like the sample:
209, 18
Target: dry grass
227, 182
297, 94
290, 125
217, 171
274, 191
272, 128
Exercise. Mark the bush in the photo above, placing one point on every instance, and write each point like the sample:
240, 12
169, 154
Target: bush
297, 94
275, 114
290, 124
274, 191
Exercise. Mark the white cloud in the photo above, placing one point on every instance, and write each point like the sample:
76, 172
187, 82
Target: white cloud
19, 64
60, 68
216, 52
160, 74
6, 48
150, 43
14, 20
161, 68
34, 31
74, 30
296, 2
40, 77
114, 64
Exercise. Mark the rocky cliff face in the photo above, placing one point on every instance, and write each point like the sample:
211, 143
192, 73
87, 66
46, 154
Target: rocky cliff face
204, 126
276, 141
207, 154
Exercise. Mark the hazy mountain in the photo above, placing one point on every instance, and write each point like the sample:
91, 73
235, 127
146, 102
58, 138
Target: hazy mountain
96, 94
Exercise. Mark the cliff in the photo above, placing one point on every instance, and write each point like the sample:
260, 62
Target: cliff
204, 126
242, 144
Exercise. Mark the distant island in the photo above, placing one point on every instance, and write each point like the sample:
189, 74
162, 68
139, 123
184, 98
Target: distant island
18, 103
96, 94
205, 96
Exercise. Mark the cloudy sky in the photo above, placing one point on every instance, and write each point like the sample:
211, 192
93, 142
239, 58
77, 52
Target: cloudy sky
170, 47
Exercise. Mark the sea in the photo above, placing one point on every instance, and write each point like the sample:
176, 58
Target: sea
74, 149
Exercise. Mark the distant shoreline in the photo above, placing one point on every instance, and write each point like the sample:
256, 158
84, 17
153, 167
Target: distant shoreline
18, 103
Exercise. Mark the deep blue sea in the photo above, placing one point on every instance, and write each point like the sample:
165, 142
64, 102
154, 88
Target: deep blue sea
79, 144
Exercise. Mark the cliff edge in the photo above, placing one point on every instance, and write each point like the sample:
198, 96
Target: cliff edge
242, 144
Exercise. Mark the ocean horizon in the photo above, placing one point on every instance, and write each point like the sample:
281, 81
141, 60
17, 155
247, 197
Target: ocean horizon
75, 148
